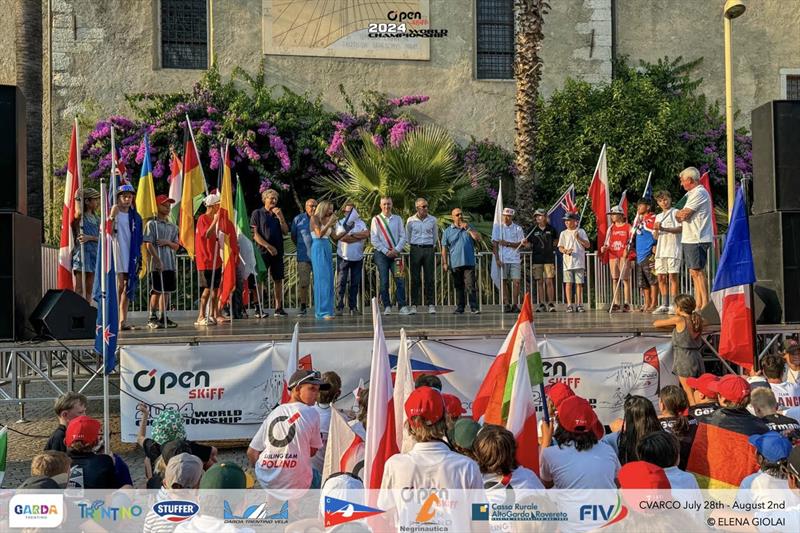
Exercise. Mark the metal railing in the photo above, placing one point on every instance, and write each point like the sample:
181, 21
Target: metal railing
598, 291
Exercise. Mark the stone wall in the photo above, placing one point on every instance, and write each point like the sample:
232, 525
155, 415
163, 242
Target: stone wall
7, 58
765, 39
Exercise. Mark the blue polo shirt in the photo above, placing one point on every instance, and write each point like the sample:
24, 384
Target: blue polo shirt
644, 238
460, 246
301, 235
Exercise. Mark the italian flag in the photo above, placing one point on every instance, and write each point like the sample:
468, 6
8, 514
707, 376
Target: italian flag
505, 397
3, 453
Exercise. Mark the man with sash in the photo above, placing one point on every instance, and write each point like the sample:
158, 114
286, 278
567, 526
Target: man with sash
388, 237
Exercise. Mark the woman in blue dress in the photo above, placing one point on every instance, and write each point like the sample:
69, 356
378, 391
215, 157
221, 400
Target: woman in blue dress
322, 233
86, 231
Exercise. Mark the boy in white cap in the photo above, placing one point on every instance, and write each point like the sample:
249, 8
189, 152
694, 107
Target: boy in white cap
506, 242
208, 260
572, 243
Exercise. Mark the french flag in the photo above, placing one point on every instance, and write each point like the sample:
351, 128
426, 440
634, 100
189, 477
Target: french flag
731, 291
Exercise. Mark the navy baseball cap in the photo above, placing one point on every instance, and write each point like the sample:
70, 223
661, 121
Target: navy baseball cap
126, 188
772, 445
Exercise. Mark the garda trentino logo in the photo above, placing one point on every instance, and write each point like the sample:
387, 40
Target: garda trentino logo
36, 510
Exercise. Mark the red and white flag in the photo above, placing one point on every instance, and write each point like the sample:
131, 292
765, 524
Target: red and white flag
292, 364
623, 203
345, 449
598, 194
403, 387
705, 181
68, 213
381, 438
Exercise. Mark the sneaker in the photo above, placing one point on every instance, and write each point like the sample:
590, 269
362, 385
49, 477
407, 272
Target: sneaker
570, 309
626, 308
541, 308
458, 311
152, 322
551, 307
170, 323
406, 311
580, 309
303, 311
280, 312
515, 308
387, 311
615, 308
413, 310
671, 310
475, 311
431, 309
661, 310
354, 312
506, 308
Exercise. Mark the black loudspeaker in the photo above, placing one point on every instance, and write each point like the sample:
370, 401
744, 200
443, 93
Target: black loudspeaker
13, 151
64, 315
775, 238
776, 156
20, 273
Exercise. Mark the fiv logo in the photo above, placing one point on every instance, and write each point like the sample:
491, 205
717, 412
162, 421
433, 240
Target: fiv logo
599, 512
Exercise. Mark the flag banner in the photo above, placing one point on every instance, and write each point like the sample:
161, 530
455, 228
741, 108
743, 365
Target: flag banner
497, 234
105, 294
730, 291
254, 263
292, 364
648, 188
146, 200
598, 194
403, 386
194, 186
68, 214
175, 179
623, 203
3, 452
564, 205
344, 451
230, 246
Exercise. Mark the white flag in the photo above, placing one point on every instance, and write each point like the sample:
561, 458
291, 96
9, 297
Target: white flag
497, 229
345, 449
403, 386
292, 364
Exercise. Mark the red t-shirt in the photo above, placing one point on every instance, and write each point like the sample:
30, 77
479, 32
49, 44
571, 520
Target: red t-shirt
617, 239
204, 246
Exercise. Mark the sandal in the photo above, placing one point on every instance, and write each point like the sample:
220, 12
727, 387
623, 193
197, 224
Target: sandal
125, 327
615, 308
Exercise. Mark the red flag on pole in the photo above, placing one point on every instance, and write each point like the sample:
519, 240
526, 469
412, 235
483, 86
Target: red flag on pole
68, 214
598, 194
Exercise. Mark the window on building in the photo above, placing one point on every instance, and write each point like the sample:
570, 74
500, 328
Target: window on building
495, 39
793, 87
184, 34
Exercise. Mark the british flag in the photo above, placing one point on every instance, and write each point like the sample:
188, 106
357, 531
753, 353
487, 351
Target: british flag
564, 205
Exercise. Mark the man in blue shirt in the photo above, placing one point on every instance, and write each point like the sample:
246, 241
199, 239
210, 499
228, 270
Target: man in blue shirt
458, 255
301, 237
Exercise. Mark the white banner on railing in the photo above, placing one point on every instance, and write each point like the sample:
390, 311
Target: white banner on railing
225, 390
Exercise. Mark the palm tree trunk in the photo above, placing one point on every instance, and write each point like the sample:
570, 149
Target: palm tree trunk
28, 43
528, 73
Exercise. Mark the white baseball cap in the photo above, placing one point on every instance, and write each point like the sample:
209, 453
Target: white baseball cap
212, 199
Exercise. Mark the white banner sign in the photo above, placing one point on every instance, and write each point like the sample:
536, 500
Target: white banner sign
226, 390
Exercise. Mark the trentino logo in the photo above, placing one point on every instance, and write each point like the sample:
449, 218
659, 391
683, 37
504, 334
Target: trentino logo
341, 511
36, 510
176, 510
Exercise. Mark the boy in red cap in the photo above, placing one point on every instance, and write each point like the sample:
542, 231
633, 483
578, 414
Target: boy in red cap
430, 466
556, 393
161, 237
703, 400
453, 409
96, 471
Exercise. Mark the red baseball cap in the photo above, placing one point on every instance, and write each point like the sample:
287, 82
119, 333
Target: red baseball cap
702, 384
732, 388
558, 392
642, 475
425, 402
164, 199
452, 405
83, 428
576, 415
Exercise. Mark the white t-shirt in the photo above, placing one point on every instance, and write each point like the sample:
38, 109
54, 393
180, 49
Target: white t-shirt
431, 465
669, 244
794, 412
523, 480
787, 394
121, 243
762, 487
785, 520
698, 228
568, 240
318, 461
512, 233
351, 251
285, 440
685, 488
792, 376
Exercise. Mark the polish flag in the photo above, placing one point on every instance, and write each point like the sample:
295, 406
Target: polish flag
623, 203
345, 449
403, 387
731, 290
705, 181
598, 194
381, 439
292, 364
69, 212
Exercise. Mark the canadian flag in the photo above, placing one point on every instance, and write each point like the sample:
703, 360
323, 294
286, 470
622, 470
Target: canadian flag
598, 194
345, 449
381, 438
403, 387
292, 364
68, 213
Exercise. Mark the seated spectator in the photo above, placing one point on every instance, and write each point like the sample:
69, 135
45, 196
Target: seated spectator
765, 406
428, 380
97, 471
495, 451
453, 409
286, 464
791, 354
771, 451
462, 436
68, 406
703, 401
323, 406
555, 394
673, 404
640, 419
773, 367
579, 460
39, 482
183, 472
221, 476
52, 464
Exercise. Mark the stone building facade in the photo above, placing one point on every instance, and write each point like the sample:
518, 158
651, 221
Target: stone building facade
98, 50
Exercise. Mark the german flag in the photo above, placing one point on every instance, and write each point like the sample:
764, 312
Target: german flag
721, 455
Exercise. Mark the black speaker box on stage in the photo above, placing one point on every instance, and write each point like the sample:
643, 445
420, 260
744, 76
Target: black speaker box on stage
776, 156
775, 238
13, 152
20, 273
64, 315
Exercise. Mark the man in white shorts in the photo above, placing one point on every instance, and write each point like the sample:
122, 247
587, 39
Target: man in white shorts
668, 252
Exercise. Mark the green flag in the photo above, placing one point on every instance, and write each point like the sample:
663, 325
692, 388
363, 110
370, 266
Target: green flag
243, 226
3, 453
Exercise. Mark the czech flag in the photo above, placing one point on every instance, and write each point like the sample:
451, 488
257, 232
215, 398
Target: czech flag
68, 213
731, 291
598, 194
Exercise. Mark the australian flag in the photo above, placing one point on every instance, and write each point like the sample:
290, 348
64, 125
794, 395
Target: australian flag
564, 205
106, 339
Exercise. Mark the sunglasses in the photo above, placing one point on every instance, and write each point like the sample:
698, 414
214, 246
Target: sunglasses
422, 207
314, 374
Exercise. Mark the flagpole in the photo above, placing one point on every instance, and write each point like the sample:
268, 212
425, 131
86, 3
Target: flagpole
103, 305
745, 183
80, 187
213, 292
196, 153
